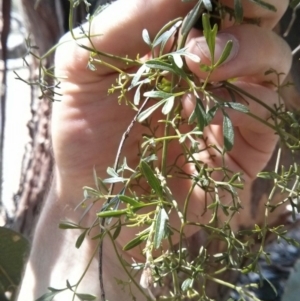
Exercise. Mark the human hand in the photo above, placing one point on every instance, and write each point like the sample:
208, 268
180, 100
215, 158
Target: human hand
88, 124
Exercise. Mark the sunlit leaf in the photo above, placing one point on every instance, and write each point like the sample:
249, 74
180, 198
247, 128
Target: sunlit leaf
160, 227
187, 283
191, 18
225, 54
146, 113
146, 37
114, 180
112, 172
138, 75
137, 95
178, 60
157, 64
208, 5
168, 105
165, 36
228, 132
157, 94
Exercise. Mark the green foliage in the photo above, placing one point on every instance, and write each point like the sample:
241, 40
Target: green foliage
13, 252
160, 83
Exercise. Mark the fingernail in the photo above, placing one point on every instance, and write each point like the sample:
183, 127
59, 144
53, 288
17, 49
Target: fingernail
221, 41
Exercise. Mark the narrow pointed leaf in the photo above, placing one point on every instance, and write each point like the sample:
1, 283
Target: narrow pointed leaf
68, 225
136, 241
237, 107
228, 133
265, 5
138, 75
48, 296
80, 239
117, 231
151, 178
85, 297
146, 113
177, 60
111, 213
157, 64
146, 37
207, 4
191, 19
128, 200
200, 114
238, 11
157, 94
160, 227
168, 105
225, 54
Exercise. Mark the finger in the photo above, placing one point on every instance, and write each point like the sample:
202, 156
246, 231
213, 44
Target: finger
118, 29
266, 18
255, 51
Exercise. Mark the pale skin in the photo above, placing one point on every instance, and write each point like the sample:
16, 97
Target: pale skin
87, 126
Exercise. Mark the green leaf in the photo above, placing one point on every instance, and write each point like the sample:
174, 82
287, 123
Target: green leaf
200, 114
271, 175
68, 225
191, 18
117, 231
294, 3
128, 200
208, 5
48, 296
160, 227
146, 37
114, 180
165, 34
177, 60
136, 241
112, 172
236, 106
85, 297
80, 239
151, 178
157, 94
112, 213
210, 35
238, 11
168, 105
146, 113
137, 76
228, 132
13, 252
264, 5
187, 284
225, 54
158, 64
211, 114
